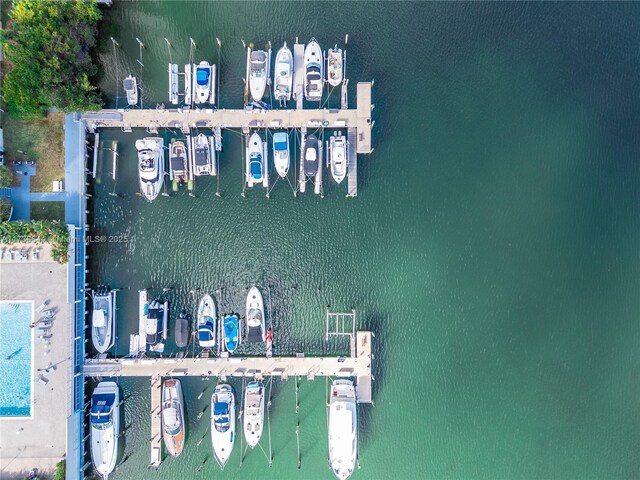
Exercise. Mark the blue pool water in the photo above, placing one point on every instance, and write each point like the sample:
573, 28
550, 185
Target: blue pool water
15, 358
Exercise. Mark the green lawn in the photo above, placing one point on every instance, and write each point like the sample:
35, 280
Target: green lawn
39, 140
47, 211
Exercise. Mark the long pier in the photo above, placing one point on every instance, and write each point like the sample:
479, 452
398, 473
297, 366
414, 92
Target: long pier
186, 118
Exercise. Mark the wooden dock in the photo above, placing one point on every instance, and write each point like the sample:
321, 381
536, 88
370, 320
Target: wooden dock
156, 421
153, 119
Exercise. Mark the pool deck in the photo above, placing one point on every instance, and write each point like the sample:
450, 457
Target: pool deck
40, 441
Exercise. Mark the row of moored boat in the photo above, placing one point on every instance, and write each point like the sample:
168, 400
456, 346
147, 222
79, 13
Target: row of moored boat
105, 423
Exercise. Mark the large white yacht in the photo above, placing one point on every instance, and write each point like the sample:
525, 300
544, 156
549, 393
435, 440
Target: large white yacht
343, 428
105, 427
150, 166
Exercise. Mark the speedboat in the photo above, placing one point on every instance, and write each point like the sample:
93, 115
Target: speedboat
150, 166
258, 74
179, 166
157, 317
283, 75
182, 329
338, 149
207, 322
253, 413
231, 332
281, 153
223, 422
202, 154
103, 318
173, 428
334, 66
203, 82
313, 71
130, 85
255, 316
105, 427
311, 156
256, 162
343, 428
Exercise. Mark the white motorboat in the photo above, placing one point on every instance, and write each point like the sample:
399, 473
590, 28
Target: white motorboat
253, 413
256, 164
157, 319
338, 154
207, 322
203, 164
204, 79
223, 422
313, 71
343, 428
173, 427
281, 156
103, 318
256, 331
334, 66
258, 74
130, 85
179, 171
311, 156
150, 166
283, 75
105, 427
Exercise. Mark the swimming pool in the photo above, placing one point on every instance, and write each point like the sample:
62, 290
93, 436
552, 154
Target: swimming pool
15, 358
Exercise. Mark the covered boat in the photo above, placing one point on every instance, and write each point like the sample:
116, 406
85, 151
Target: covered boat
231, 332
203, 82
207, 322
343, 428
157, 318
203, 163
281, 157
338, 149
256, 162
313, 71
179, 171
256, 331
150, 166
182, 329
173, 427
258, 74
334, 66
103, 318
105, 427
223, 422
283, 75
311, 156
253, 413
130, 85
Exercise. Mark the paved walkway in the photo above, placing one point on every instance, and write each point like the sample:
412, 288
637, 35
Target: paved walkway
22, 196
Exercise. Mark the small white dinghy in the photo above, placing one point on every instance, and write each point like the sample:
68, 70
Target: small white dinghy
223, 422
253, 413
281, 157
334, 66
130, 85
338, 149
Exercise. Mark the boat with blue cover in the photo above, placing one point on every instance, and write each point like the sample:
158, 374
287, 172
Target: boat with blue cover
231, 332
105, 427
281, 156
223, 422
255, 161
203, 82
207, 322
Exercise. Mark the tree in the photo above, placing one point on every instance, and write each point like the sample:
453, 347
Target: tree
6, 177
48, 49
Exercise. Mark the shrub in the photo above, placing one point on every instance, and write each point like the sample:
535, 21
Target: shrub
55, 233
60, 470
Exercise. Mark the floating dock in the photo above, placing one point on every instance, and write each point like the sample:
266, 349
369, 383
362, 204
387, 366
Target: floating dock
153, 119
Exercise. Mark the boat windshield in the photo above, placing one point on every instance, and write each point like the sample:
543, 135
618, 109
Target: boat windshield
254, 318
311, 155
147, 163
202, 76
102, 425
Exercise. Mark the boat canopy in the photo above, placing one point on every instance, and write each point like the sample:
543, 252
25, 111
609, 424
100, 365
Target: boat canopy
202, 156
311, 154
256, 166
205, 332
99, 318
177, 163
171, 419
202, 75
280, 145
101, 407
127, 83
221, 408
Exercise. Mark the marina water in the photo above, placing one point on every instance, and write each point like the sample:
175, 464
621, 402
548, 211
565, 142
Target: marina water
492, 248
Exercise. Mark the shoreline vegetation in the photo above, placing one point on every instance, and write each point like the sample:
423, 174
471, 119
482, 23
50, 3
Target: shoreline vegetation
48, 48
39, 231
